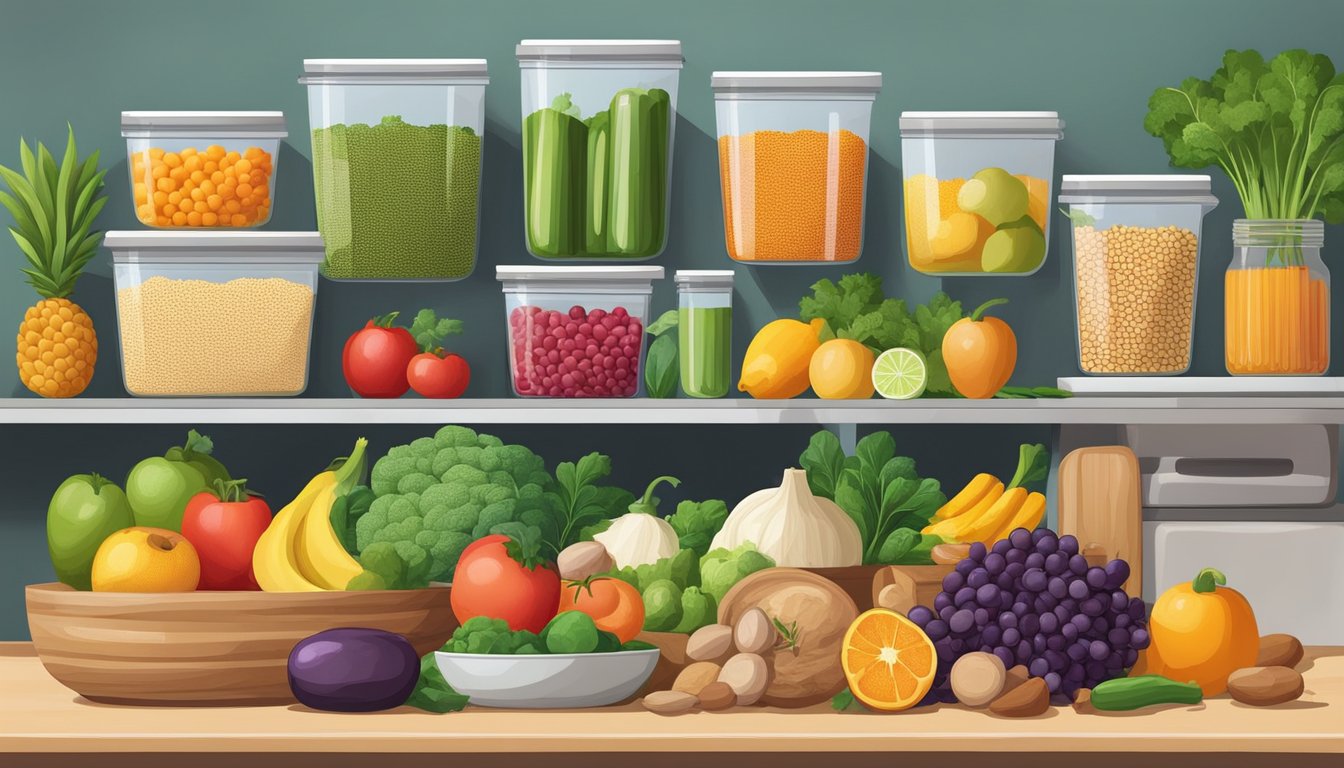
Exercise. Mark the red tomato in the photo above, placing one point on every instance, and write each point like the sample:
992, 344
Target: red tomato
376, 356
224, 527
614, 605
434, 376
488, 582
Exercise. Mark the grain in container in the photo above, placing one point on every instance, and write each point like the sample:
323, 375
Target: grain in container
397, 158
978, 190
793, 163
208, 314
1135, 269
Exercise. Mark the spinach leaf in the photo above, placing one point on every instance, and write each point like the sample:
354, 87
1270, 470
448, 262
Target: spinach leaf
824, 461
661, 364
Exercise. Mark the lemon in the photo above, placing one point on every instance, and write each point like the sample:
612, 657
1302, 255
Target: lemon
900, 374
842, 369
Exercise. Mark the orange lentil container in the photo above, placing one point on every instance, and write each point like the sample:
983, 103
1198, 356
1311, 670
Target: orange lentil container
1277, 299
793, 160
202, 170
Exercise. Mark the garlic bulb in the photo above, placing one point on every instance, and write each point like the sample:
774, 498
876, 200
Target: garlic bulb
640, 536
794, 527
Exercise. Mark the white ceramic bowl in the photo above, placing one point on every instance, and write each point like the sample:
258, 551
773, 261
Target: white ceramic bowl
547, 681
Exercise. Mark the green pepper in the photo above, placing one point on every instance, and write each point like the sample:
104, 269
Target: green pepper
159, 488
1126, 693
83, 511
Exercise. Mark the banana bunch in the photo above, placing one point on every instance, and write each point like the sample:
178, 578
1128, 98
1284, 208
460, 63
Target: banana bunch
985, 511
300, 552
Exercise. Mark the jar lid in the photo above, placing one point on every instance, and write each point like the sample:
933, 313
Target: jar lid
394, 72
658, 54
793, 83
982, 125
595, 273
704, 278
190, 245
224, 125
1137, 188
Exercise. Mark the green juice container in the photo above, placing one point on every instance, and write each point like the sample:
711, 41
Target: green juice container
705, 331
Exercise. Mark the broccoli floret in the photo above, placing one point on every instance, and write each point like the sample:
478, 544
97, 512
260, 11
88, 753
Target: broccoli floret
444, 495
721, 568
461, 519
415, 482
496, 514
465, 474
387, 471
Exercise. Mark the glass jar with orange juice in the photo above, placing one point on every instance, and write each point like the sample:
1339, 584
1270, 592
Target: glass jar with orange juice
1277, 299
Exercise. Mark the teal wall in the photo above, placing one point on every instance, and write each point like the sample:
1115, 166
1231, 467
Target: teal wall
1095, 62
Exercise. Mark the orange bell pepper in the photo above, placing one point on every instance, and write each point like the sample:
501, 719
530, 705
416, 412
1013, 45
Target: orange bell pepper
1201, 632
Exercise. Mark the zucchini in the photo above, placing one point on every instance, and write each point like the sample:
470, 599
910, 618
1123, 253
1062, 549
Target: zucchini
1126, 693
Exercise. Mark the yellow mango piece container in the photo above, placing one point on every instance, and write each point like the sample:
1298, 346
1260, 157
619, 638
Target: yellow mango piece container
977, 190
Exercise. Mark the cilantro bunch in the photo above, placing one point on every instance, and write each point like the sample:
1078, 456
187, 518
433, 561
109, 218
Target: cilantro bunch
1276, 128
855, 308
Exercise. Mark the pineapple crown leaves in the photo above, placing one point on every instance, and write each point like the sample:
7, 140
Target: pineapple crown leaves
54, 208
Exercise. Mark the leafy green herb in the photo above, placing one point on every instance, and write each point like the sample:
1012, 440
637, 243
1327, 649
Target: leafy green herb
824, 461
788, 634
429, 330
661, 363
1079, 218
578, 501
697, 522
432, 693
564, 103
1274, 127
844, 701
1033, 466
1030, 393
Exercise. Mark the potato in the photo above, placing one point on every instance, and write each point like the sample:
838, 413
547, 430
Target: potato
711, 643
1279, 651
1029, 699
669, 702
717, 696
1265, 686
748, 675
754, 633
978, 678
817, 612
695, 677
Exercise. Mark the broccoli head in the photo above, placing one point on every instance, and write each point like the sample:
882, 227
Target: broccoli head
435, 495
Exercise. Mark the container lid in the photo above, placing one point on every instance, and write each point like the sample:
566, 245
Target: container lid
795, 82
1130, 188
394, 71
226, 125
704, 278
601, 279
188, 246
659, 54
983, 125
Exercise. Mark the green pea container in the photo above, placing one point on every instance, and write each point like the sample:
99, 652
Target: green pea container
397, 157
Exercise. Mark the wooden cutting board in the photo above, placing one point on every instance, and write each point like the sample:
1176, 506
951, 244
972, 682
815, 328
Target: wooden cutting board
1100, 503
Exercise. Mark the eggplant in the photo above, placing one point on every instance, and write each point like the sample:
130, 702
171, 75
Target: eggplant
351, 669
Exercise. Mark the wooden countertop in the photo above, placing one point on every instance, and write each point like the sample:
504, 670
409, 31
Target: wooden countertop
43, 723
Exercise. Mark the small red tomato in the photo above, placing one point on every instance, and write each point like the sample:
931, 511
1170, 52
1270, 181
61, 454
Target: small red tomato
490, 582
376, 356
434, 376
224, 526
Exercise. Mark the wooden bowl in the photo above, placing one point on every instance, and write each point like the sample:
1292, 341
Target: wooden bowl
856, 580
208, 648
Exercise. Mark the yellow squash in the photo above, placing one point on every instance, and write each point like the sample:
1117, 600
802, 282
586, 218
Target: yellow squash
777, 360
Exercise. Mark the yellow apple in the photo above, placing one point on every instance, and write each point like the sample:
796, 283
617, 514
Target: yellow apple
143, 559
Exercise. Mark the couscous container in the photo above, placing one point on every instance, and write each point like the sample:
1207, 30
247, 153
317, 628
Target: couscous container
598, 120
793, 162
209, 314
978, 190
1135, 269
577, 331
397, 158
209, 170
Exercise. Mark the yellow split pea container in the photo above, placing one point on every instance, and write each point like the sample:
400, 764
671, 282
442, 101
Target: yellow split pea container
1135, 269
211, 314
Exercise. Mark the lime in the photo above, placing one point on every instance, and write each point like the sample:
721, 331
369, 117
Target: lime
900, 374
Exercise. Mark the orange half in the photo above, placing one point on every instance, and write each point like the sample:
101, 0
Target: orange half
888, 660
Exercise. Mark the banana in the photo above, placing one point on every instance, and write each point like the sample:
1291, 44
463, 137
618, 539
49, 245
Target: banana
994, 518
951, 528
1028, 516
321, 557
273, 560
974, 492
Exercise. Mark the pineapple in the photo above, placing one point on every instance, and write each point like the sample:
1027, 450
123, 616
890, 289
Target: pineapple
54, 208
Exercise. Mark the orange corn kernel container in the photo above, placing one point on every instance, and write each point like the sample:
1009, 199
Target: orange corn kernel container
1277, 299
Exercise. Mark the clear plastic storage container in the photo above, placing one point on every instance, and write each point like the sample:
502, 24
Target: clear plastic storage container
397, 153
1276, 297
793, 163
978, 190
576, 331
203, 314
211, 170
1135, 269
598, 120
705, 330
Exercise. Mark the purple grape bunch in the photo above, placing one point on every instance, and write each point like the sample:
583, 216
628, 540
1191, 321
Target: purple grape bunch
1032, 599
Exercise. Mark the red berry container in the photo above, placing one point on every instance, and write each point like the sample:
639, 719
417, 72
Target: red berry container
576, 331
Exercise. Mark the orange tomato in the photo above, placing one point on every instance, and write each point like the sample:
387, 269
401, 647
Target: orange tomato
980, 353
1202, 632
614, 605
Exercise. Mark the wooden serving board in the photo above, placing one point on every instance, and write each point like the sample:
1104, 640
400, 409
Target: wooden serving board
1100, 502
